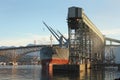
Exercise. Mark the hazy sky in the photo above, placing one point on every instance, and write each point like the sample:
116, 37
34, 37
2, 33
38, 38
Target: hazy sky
21, 20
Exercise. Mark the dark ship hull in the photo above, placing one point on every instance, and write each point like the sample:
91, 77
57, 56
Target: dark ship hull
54, 55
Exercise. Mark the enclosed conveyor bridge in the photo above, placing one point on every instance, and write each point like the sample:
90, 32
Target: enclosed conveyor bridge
92, 27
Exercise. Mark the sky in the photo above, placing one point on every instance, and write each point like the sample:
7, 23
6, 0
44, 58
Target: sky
21, 20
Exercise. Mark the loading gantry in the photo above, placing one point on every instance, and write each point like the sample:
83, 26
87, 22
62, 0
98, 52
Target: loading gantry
86, 42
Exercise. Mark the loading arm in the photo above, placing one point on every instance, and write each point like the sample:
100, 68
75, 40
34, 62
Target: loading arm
50, 30
62, 35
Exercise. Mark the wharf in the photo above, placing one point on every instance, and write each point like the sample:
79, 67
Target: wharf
99, 66
67, 68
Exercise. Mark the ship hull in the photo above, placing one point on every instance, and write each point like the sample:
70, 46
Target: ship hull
54, 55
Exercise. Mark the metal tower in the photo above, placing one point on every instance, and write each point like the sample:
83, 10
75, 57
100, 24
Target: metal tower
78, 39
86, 43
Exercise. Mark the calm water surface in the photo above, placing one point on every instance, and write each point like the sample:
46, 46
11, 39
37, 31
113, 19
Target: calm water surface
34, 72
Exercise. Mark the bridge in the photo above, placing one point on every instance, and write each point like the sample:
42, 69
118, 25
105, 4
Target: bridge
13, 54
85, 41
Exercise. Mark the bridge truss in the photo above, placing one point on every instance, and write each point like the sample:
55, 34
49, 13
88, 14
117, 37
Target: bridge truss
13, 54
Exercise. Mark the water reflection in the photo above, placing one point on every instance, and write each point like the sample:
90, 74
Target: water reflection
65, 76
84, 75
35, 72
14, 72
103, 74
26, 72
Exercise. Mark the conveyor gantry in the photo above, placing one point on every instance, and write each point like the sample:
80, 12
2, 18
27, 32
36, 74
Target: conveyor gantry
86, 42
92, 26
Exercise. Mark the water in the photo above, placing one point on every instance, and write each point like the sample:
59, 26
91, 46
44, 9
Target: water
34, 72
